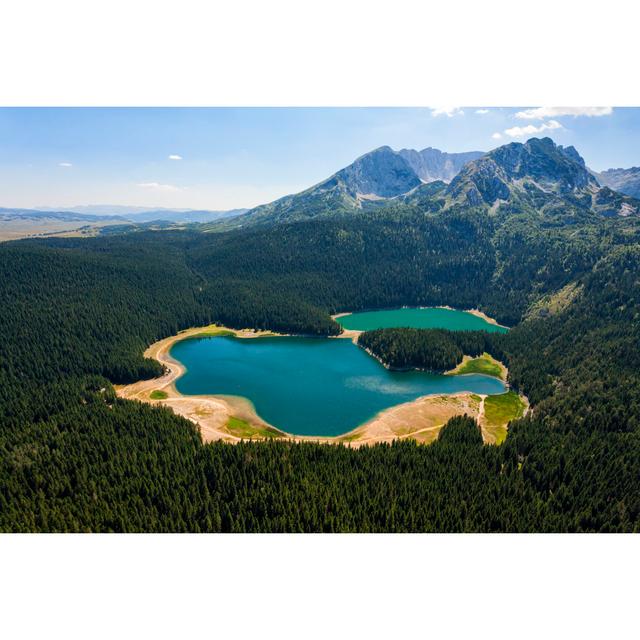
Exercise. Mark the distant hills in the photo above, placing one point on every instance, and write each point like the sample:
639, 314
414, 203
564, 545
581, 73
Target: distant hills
188, 216
22, 223
18, 223
7, 213
145, 214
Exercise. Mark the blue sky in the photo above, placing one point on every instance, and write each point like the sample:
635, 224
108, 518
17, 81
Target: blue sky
222, 158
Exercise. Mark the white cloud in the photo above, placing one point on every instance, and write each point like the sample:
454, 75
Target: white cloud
497, 136
65, 164
520, 132
447, 111
482, 111
175, 156
156, 186
555, 112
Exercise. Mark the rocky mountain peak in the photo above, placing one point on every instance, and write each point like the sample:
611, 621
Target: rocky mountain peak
381, 173
537, 165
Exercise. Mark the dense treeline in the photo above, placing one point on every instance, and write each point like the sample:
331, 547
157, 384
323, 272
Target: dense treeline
431, 349
464, 258
461, 430
77, 314
357, 263
582, 366
122, 466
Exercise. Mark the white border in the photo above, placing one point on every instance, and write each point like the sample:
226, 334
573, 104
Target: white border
281, 52
334, 52
393, 586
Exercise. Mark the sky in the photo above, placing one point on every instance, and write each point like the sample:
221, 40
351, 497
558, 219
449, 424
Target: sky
224, 158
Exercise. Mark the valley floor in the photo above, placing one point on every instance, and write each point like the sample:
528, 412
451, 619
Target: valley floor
232, 418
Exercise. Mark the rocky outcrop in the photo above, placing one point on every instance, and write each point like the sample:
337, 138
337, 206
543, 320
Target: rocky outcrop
625, 181
432, 164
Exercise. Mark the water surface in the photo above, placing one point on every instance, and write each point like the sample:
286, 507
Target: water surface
309, 386
418, 318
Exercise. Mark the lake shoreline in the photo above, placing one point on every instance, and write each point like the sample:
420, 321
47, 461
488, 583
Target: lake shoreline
211, 412
474, 312
484, 316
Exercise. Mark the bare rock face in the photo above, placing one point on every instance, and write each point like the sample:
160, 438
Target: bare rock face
625, 181
382, 173
432, 164
548, 164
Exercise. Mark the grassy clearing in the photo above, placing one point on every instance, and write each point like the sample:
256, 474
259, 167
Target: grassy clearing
242, 429
213, 331
499, 411
551, 305
350, 437
483, 364
158, 395
426, 437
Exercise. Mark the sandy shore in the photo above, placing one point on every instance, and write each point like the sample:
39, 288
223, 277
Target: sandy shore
420, 419
211, 413
485, 317
473, 312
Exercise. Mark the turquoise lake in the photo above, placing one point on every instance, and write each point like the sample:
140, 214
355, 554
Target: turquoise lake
418, 318
308, 386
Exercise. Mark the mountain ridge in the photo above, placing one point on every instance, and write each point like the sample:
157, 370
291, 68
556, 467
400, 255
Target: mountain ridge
536, 165
371, 180
537, 176
541, 177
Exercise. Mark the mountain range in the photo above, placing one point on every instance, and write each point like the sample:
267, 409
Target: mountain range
372, 179
537, 175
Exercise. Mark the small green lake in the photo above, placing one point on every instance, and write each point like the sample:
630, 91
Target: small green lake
309, 386
418, 318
